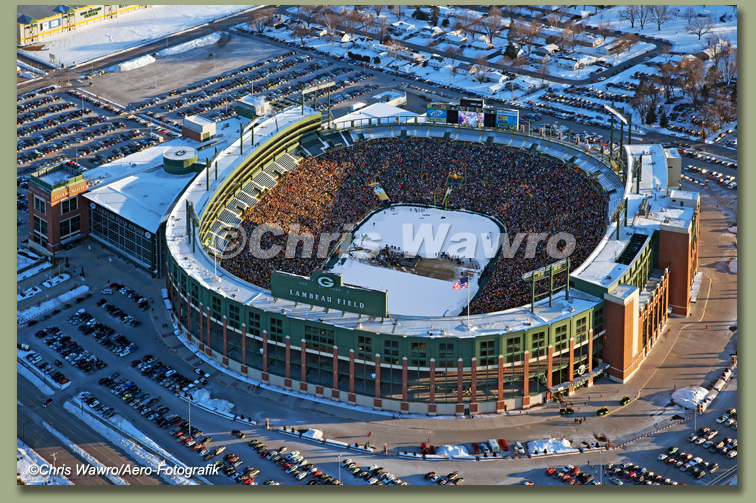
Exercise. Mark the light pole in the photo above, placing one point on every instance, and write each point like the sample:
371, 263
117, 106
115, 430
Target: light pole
340, 467
55, 460
191, 399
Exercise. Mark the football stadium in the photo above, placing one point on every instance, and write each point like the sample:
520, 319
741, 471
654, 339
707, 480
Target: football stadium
419, 266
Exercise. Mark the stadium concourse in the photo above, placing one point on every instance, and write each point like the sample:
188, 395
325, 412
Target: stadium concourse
528, 192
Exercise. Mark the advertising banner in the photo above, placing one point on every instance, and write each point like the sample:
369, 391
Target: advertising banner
507, 118
435, 115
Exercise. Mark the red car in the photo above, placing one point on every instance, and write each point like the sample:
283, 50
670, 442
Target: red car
423, 448
550, 471
316, 473
135, 363
503, 444
574, 471
476, 448
285, 466
146, 357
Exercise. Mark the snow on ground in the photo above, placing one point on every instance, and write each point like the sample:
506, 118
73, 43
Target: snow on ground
34, 311
202, 397
132, 64
452, 450
550, 446
192, 44
26, 457
389, 227
136, 452
733, 265
675, 31
32, 378
35, 71
56, 280
689, 396
93, 462
129, 30
30, 292
34, 270
25, 258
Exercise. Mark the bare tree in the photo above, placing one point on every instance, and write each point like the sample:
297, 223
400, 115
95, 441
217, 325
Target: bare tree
330, 20
604, 30
554, 19
453, 53
644, 15
519, 62
531, 33
664, 79
700, 26
690, 13
394, 47
301, 32
479, 68
543, 70
728, 65
260, 19
718, 46
492, 24
661, 14
666, 49
567, 40
350, 20
641, 102
692, 79
465, 23
398, 9
364, 20
377, 9
308, 13
630, 13
381, 25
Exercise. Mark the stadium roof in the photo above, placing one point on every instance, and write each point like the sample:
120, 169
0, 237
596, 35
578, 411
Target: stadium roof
376, 110
603, 267
40, 11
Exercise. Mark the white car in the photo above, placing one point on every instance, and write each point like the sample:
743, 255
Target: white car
700, 441
343, 463
732, 454
721, 419
372, 481
301, 475
662, 457
729, 421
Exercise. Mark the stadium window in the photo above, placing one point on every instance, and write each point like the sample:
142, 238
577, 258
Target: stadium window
40, 205
581, 330
560, 339
487, 353
538, 344
418, 350
195, 293
319, 339
365, 348
215, 304
391, 349
514, 349
446, 355
69, 205
233, 317
276, 326
253, 323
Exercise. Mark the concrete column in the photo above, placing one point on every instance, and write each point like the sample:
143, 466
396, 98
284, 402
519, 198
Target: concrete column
460, 382
244, 348
473, 385
590, 356
265, 375
335, 391
352, 397
303, 381
404, 408
526, 379
549, 364
432, 388
500, 379
377, 403
287, 381
201, 319
225, 340
571, 367
208, 348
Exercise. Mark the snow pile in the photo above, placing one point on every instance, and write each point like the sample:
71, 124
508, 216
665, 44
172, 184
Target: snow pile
690, 396
56, 280
550, 446
202, 398
313, 434
132, 64
86, 456
34, 270
32, 378
20, 64
27, 314
192, 44
24, 259
26, 457
31, 292
136, 452
453, 451
733, 265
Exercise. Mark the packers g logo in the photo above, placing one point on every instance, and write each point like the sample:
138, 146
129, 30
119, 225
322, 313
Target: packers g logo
325, 282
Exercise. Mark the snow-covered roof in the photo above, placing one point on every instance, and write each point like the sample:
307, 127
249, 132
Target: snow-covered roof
601, 267
376, 110
198, 121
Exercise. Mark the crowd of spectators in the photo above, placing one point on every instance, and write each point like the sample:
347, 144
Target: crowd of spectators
528, 192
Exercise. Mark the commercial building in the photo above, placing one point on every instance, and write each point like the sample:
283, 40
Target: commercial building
35, 22
198, 128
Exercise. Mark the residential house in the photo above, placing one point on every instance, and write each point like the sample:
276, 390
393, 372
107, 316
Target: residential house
549, 49
494, 76
481, 42
456, 38
610, 48
588, 40
431, 31
569, 63
436, 61
403, 27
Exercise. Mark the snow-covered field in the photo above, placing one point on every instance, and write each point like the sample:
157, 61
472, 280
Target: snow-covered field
26, 458
675, 31
93, 462
423, 232
136, 28
136, 452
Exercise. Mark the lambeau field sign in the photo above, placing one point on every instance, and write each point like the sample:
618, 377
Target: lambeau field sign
328, 290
